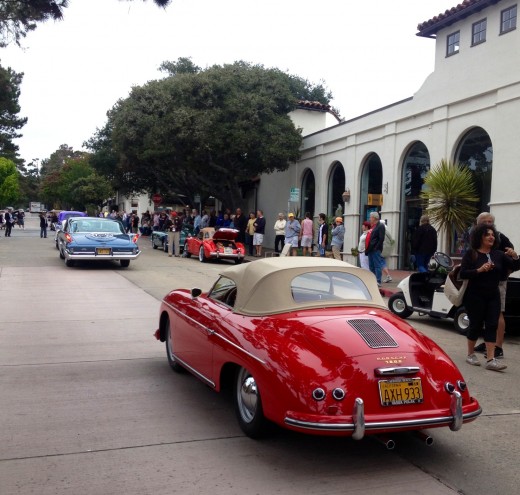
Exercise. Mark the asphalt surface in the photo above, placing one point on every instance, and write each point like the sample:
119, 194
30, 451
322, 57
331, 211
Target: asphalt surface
90, 406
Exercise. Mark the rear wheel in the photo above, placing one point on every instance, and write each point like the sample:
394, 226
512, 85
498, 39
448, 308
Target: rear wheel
124, 263
154, 245
69, 263
397, 305
248, 405
174, 365
461, 320
202, 257
238, 261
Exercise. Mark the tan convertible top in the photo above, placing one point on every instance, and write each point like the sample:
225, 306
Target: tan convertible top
264, 286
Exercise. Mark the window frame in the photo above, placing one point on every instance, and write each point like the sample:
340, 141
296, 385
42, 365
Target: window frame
510, 28
449, 44
479, 33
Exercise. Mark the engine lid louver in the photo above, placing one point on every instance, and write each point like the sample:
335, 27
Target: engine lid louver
373, 334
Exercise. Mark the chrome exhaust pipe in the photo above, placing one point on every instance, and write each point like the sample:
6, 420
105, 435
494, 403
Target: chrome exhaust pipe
423, 437
386, 441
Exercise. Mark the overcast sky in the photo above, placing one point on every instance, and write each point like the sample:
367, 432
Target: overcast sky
366, 52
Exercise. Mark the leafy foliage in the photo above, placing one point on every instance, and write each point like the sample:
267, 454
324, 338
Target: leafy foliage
450, 197
10, 123
202, 131
9, 184
75, 184
19, 17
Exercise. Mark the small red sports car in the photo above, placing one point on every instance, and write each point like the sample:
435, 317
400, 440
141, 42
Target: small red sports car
307, 343
211, 244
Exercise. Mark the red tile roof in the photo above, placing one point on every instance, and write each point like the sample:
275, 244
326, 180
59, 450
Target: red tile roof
467, 7
313, 105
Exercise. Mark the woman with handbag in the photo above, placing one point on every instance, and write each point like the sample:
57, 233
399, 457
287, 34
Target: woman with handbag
483, 266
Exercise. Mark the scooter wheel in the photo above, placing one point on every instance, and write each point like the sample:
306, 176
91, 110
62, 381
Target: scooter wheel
397, 305
461, 320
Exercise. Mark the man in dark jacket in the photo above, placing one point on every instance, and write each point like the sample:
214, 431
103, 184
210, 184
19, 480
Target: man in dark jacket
424, 243
374, 246
240, 223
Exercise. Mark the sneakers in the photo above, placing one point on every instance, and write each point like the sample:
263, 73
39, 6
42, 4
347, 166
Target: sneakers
473, 360
481, 347
494, 365
388, 279
499, 353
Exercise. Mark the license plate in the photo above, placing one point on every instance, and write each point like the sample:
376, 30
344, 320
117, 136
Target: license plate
102, 251
228, 250
400, 392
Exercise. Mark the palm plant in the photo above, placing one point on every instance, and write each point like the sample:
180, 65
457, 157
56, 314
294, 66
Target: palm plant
450, 197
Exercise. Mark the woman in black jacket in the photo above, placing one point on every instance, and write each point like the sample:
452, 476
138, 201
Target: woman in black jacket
484, 266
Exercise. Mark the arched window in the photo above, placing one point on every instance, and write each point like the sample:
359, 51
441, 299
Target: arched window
336, 189
416, 165
476, 151
371, 186
308, 193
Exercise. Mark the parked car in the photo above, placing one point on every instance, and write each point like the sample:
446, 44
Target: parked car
211, 244
96, 239
160, 239
309, 344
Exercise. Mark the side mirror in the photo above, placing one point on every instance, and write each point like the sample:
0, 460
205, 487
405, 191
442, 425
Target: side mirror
195, 292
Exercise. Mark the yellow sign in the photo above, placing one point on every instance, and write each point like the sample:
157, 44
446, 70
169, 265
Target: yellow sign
375, 199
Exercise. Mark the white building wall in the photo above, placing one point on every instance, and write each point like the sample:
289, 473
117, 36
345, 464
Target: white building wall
478, 87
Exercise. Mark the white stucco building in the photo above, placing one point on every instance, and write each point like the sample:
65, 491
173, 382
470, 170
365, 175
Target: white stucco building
467, 110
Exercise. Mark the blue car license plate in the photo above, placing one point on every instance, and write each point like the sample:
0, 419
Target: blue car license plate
103, 251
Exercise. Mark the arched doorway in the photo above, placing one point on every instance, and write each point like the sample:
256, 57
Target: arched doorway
336, 189
308, 193
476, 152
371, 186
416, 165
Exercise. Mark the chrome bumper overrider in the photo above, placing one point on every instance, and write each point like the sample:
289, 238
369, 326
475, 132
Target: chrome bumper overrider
358, 427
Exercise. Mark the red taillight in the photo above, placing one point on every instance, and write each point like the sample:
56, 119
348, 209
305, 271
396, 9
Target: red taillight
135, 239
68, 237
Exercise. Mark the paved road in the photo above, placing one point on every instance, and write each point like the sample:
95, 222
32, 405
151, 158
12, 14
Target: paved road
90, 406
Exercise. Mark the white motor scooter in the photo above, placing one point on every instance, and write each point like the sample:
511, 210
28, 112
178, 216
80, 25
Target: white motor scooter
423, 293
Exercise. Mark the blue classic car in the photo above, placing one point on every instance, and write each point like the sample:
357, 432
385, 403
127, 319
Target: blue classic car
96, 239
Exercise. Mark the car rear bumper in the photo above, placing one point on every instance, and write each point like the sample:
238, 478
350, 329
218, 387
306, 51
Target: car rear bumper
359, 425
100, 257
227, 256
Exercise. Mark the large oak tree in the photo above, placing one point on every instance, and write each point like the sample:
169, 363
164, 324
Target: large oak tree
203, 131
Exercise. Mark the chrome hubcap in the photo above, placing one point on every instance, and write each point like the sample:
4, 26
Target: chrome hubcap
399, 305
247, 396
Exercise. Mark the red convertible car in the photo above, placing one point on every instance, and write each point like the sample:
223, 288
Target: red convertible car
308, 344
211, 244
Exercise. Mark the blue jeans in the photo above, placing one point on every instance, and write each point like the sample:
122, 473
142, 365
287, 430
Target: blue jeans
375, 263
422, 261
